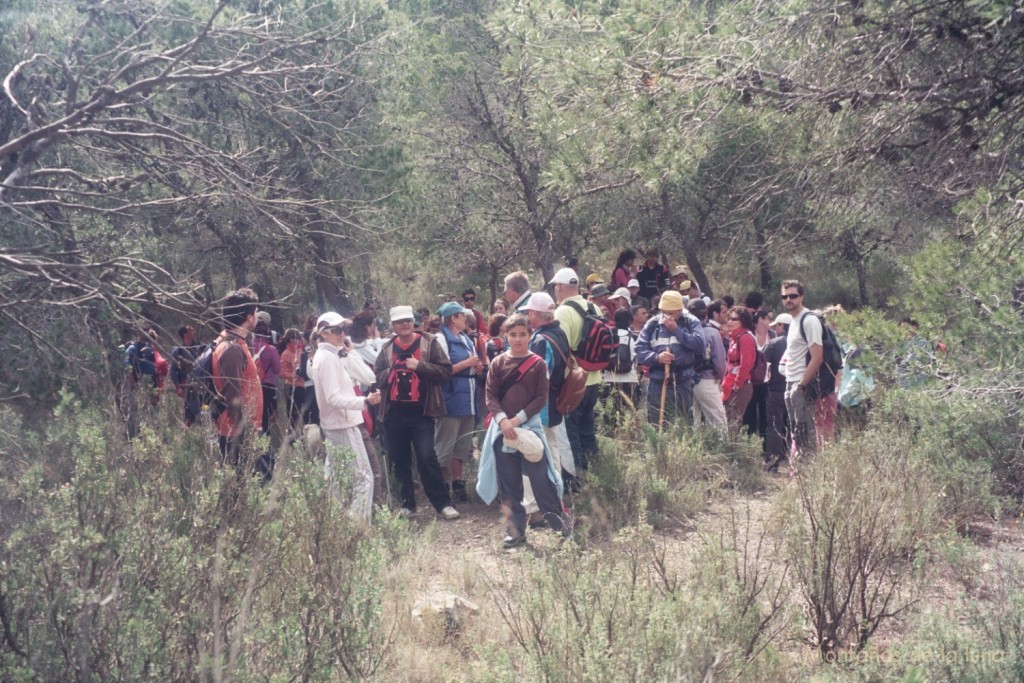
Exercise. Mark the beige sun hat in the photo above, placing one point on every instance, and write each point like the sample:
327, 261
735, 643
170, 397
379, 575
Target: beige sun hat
527, 443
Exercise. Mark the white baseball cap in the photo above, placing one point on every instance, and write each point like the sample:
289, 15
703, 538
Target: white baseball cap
622, 293
783, 319
329, 319
402, 313
565, 276
540, 301
633, 283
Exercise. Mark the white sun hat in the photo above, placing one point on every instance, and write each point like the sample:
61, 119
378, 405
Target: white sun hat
527, 443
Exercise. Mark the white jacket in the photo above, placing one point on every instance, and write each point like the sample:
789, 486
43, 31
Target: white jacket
340, 408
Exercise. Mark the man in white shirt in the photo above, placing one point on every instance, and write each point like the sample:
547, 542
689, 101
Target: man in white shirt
804, 354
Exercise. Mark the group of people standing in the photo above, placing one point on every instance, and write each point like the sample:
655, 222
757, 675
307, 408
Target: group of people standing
496, 385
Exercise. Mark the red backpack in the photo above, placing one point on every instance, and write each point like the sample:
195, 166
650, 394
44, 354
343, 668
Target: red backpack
404, 383
598, 342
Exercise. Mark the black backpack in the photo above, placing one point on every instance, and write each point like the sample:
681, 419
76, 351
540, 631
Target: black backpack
302, 369
202, 379
831, 358
758, 373
624, 356
599, 345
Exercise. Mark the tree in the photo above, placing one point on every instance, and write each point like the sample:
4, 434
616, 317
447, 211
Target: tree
226, 132
497, 112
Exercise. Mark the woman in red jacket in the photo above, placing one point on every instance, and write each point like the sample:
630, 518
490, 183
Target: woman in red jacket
736, 387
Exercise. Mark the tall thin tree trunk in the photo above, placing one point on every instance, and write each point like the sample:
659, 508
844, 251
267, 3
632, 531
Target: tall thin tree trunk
761, 250
492, 286
862, 281
677, 229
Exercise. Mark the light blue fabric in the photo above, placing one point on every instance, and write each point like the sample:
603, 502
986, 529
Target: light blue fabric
855, 388
487, 473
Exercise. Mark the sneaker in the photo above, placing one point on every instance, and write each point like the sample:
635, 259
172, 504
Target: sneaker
459, 491
449, 513
513, 542
404, 513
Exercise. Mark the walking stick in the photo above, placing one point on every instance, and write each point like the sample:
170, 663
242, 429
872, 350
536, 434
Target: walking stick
664, 387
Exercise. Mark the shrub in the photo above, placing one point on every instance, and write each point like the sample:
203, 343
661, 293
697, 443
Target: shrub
619, 615
859, 518
971, 640
966, 446
146, 559
645, 477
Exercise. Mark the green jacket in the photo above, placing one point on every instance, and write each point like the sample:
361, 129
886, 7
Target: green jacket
434, 370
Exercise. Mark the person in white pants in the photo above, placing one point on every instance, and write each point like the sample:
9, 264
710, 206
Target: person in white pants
708, 408
341, 415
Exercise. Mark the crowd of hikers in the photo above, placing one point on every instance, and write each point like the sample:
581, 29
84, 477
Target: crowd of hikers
517, 389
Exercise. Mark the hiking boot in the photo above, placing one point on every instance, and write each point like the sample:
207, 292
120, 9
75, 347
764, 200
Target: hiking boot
459, 494
513, 542
449, 513
536, 520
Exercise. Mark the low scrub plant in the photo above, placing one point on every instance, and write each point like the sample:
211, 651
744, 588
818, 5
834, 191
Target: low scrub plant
624, 613
664, 478
145, 559
859, 519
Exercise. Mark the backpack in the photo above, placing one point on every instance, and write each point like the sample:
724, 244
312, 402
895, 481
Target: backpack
302, 369
758, 373
494, 347
142, 359
404, 383
705, 363
575, 385
261, 372
624, 357
831, 359
202, 379
598, 343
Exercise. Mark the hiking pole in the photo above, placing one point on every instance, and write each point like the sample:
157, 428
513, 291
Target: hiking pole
664, 387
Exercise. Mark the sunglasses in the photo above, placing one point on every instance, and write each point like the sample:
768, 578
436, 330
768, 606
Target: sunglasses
469, 298
790, 296
735, 320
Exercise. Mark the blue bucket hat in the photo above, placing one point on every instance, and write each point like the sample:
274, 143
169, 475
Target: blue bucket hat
450, 308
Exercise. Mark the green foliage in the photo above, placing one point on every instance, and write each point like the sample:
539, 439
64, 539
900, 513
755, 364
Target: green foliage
970, 640
627, 615
645, 477
968, 447
147, 559
858, 526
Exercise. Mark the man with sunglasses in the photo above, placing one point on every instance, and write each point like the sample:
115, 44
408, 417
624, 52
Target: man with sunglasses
469, 301
804, 354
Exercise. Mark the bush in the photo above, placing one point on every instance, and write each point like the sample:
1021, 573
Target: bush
859, 520
621, 615
146, 559
969, 641
645, 477
967, 447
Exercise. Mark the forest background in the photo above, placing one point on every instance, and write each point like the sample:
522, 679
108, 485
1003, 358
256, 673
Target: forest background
156, 154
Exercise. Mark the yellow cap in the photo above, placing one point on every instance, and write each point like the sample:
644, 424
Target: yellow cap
671, 300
